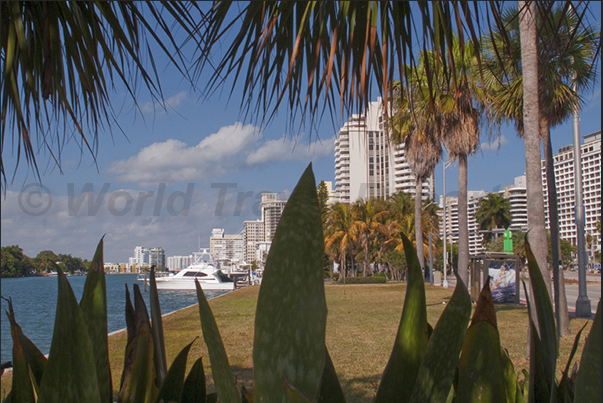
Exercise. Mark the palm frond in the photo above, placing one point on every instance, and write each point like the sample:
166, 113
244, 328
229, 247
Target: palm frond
60, 61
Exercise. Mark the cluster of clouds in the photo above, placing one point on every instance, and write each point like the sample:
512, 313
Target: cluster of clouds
494, 145
43, 219
231, 149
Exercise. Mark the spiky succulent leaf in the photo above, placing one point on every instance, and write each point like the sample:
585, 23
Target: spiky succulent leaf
405, 360
330, 388
194, 389
295, 396
157, 330
514, 393
291, 315
565, 390
70, 372
225, 386
94, 308
138, 378
546, 318
172, 386
440, 362
588, 379
480, 368
22, 389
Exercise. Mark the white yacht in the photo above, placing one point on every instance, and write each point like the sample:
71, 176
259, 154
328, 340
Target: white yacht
203, 270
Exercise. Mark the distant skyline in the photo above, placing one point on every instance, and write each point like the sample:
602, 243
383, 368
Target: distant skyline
159, 182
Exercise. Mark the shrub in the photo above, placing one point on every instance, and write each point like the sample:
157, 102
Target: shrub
364, 280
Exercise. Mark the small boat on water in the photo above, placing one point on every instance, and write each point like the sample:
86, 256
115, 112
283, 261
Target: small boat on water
203, 270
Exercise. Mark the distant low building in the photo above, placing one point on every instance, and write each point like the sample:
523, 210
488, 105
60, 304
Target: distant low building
177, 263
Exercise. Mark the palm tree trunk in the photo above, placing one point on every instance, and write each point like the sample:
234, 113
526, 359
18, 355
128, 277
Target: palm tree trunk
463, 262
419, 221
561, 313
529, 57
366, 254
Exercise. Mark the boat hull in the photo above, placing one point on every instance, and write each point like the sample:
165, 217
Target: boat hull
175, 284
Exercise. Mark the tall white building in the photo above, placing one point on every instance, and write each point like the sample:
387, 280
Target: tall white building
452, 220
177, 263
157, 257
140, 258
518, 199
367, 165
272, 210
591, 187
227, 247
259, 233
517, 196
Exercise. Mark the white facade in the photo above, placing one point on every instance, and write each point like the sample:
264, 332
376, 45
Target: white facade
227, 247
254, 233
272, 210
177, 263
517, 196
141, 257
367, 165
452, 220
518, 199
261, 232
157, 257
591, 186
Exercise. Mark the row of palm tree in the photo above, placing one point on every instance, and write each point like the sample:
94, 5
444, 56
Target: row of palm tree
366, 230
494, 89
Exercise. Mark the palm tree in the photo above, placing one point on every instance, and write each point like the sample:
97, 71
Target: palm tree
493, 212
402, 220
367, 215
566, 50
341, 235
418, 126
461, 122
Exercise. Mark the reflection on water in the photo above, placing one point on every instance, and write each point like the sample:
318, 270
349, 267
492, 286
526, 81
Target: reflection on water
34, 300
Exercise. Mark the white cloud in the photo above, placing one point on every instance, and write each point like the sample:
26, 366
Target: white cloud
495, 145
173, 161
288, 149
63, 225
172, 102
231, 149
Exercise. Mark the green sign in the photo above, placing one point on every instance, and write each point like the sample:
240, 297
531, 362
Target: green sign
508, 242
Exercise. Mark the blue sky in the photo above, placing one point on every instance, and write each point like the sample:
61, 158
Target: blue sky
160, 184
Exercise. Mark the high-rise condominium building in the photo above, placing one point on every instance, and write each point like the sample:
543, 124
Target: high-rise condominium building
227, 247
259, 233
518, 199
367, 165
272, 209
591, 187
157, 257
177, 263
517, 196
452, 220
254, 234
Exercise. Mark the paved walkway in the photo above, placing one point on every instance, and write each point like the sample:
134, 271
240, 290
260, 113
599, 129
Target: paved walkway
593, 290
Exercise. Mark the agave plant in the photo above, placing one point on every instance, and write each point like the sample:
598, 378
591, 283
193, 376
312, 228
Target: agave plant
457, 360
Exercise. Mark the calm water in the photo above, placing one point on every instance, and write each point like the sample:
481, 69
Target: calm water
34, 302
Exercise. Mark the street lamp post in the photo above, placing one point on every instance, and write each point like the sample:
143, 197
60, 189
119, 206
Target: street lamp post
445, 165
583, 308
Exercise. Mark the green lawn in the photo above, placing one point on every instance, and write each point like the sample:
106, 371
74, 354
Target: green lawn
361, 327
